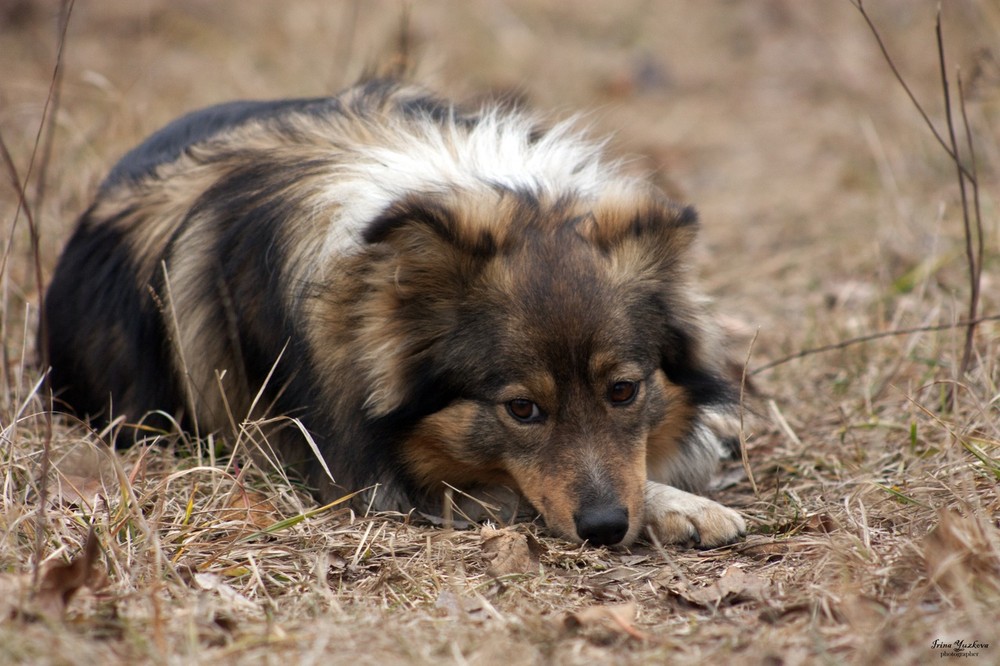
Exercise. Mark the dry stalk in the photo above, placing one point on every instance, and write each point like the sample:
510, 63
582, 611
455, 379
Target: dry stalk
973, 245
859, 5
970, 252
52, 108
43, 473
850, 342
977, 260
743, 438
46, 126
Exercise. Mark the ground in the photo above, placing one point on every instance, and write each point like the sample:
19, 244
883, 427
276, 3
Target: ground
830, 212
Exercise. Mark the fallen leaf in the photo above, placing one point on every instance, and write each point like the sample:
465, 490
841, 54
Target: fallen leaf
617, 617
338, 561
252, 508
820, 523
507, 552
235, 571
84, 473
80, 490
633, 560
61, 581
14, 590
764, 547
211, 582
733, 586
462, 607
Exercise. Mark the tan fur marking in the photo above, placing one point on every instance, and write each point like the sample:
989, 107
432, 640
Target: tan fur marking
605, 367
664, 439
635, 497
550, 495
539, 387
435, 452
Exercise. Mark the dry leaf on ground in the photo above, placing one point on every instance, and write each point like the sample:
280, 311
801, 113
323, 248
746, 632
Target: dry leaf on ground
733, 586
61, 581
211, 582
617, 617
507, 552
475, 609
252, 508
14, 589
84, 473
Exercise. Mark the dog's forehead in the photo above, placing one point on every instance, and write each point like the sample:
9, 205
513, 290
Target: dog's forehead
565, 318
558, 296
557, 280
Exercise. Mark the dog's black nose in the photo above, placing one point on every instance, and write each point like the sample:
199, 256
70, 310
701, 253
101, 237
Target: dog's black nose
602, 525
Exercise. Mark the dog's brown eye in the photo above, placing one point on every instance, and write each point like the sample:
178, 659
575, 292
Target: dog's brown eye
623, 393
524, 410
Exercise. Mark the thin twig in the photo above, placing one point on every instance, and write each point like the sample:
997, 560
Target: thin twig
899, 77
23, 184
43, 474
969, 252
52, 108
743, 438
973, 245
976, 259
22, 204
843, 344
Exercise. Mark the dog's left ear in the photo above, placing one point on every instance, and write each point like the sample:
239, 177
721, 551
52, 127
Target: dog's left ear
649, 246
646, 240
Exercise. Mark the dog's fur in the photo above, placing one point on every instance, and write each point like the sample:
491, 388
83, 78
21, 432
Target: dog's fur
441, 297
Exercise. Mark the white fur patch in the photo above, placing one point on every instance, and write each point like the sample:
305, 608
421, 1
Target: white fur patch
405, 155
693, 466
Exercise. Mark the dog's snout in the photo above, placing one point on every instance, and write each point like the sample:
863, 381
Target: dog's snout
602, 525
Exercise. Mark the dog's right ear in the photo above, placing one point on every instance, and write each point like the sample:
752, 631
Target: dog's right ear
422, 261
407, 214
434, 251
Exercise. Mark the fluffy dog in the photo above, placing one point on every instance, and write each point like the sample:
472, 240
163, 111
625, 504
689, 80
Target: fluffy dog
438, 296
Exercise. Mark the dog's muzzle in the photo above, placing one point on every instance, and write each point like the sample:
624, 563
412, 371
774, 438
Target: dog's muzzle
601, 524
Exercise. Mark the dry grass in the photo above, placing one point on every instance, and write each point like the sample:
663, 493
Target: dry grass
830, 212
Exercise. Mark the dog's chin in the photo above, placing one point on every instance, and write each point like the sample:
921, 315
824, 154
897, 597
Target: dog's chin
634, 530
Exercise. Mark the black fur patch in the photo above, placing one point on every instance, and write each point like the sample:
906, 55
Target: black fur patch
169, 143
127, 354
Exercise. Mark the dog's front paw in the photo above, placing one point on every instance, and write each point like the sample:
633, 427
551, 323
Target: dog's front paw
675, 516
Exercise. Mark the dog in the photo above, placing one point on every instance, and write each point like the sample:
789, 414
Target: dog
428, 296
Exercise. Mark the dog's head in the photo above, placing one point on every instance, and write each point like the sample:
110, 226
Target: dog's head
561, 337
